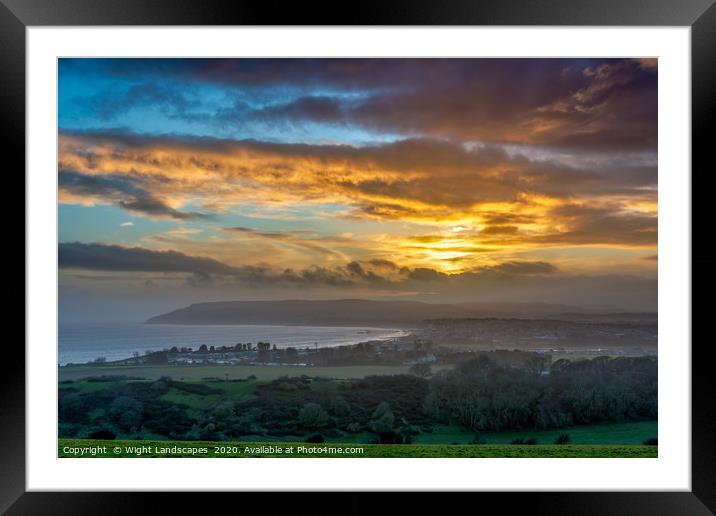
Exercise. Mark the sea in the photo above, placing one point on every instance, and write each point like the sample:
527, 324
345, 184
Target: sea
85, 342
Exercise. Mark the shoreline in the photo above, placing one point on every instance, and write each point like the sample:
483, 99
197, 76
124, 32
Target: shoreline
363, 336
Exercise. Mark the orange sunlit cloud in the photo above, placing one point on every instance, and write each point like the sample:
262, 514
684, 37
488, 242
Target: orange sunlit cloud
429, 176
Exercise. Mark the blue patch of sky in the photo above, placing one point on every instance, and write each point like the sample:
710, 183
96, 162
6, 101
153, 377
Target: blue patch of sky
103, 224
88, 100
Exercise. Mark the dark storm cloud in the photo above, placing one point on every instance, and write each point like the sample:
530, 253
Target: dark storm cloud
594, 105
114, 258
102, 257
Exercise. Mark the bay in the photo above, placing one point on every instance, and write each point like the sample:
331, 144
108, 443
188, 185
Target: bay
84, 342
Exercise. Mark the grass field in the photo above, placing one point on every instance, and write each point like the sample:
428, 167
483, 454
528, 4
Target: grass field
204, 449
612, 433
231, 372
628, 433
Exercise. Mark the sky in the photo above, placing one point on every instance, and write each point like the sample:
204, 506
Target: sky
436, 180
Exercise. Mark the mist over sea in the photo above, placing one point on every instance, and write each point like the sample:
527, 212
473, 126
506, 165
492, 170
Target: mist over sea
84, 342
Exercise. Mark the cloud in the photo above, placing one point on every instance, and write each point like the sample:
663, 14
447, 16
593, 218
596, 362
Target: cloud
107, 104
470, 177
293, 239
127, 224
594, 104
114, 258
520, 267
102, 257
500, 230
424, 181
121, 190
504, 281
425, 274
314, 108
602, 225
383, 264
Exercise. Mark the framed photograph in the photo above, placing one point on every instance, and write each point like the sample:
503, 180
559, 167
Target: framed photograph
424, 248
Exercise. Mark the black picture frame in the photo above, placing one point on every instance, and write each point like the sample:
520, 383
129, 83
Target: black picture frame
700, 15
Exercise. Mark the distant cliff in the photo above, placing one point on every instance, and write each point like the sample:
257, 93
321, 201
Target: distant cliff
349, 312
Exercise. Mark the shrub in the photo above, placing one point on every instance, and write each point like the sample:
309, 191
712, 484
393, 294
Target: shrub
312, 415
73, 408
339, 407
354, 428
651, 441
316, 438
69, 429
384, 414
102, 434
196, 388
563, 439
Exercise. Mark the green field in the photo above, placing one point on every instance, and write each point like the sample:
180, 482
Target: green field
360, 406
199, 404
123, 449
604, 434
611, 433
190, 373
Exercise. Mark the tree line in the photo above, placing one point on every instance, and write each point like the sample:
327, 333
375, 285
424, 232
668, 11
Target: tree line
484, 396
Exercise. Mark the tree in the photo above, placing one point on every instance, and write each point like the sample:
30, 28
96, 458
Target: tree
291, 354
203, 348
421, 370
382, 424
339, 407
102, 434
159, 357
383, 413
126, 412
312, 415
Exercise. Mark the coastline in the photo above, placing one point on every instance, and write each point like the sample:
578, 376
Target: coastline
133, 340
